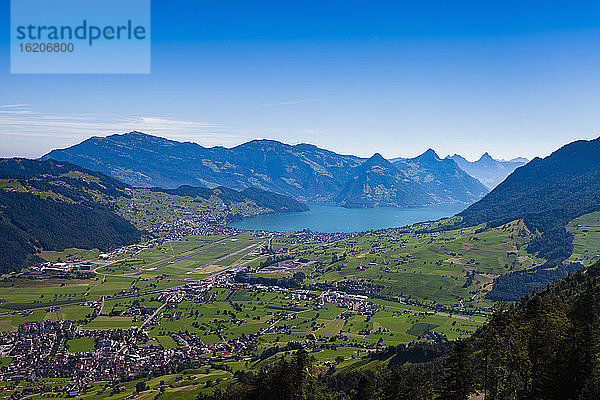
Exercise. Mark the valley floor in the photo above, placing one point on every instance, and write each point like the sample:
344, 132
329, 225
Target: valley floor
241, 300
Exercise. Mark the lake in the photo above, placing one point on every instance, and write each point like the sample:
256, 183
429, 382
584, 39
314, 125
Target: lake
329, 218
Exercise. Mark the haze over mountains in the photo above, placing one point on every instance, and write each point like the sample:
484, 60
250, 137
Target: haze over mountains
489, 171
304, 172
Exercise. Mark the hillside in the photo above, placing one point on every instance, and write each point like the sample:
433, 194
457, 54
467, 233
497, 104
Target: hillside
443, 179
376, 182
546, 193
272, 201
50, 205
545, 346
487, 170
304, 172
53, 206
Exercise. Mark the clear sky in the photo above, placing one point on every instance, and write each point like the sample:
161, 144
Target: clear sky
514, 78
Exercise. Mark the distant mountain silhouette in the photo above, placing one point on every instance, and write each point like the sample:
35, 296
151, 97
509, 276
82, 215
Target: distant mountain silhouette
487, 170
377, 182
304, 172
442, 178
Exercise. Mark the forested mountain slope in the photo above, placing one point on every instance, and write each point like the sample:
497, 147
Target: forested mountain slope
262, 198
51, 205
546, 193
304, 172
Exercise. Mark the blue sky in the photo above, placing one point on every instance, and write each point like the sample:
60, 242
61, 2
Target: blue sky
397, 78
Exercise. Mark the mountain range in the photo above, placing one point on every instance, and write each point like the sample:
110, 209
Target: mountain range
487, 170
304, 172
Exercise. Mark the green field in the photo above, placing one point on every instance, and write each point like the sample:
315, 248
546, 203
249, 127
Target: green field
428, 267
81, 344
424, 282
150, 207
586, 238
185, 385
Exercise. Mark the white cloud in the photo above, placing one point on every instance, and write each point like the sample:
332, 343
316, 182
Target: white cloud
14, 109
15, 112
28, 133
14, 105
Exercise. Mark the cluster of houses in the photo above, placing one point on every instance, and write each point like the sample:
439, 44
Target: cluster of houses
39, 349
308, 236
357, 304
205, 224
67, 266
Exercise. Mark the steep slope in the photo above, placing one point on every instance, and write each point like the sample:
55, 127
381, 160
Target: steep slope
303, 171
487, 170
377, 182
53, 206
442, 178
548, 344
546, 193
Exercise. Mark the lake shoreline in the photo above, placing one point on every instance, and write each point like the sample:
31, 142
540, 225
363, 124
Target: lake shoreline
329, 218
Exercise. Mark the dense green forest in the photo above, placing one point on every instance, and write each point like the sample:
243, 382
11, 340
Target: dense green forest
30, 222
546, 194
55, 205
546, 346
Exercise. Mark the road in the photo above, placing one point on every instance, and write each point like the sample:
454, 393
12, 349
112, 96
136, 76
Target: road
223, 258
101, 306
152, 316
180, 258
125, 296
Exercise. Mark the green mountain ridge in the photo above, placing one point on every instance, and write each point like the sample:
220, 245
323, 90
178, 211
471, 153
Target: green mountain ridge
304, 172
51, 205
377, 182
442, 178
546, 194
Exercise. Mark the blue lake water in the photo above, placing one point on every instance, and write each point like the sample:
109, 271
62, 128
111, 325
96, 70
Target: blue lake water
329, 218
